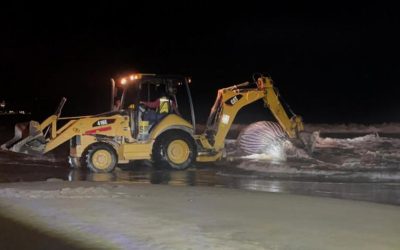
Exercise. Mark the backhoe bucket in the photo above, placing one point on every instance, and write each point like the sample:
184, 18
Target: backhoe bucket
28, 139
306, 140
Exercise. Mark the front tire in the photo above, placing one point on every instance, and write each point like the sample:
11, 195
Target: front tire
174, 149
101, 158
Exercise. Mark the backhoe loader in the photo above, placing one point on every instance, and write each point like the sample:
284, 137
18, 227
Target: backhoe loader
133, 131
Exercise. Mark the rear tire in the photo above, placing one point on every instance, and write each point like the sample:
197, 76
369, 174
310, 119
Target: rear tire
101, 158
174, 149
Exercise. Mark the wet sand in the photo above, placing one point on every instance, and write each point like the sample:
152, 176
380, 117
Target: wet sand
137, 216
120, 212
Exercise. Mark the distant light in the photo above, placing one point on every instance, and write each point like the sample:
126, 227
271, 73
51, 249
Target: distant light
123, 81
133, 77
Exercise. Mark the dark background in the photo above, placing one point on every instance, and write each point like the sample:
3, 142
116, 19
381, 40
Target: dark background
332, 63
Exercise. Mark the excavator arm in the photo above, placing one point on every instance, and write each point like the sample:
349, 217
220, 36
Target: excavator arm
292, 125
229, 101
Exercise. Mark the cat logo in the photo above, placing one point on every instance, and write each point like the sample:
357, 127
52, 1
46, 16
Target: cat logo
233, 100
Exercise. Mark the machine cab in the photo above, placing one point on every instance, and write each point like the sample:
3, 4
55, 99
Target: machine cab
149, 98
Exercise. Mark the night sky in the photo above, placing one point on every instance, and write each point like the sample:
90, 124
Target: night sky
332, 63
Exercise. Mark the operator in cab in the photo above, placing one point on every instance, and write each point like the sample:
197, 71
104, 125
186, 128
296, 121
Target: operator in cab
162, 106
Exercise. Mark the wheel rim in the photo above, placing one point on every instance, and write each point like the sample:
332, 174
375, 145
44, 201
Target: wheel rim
178, 151
101, 159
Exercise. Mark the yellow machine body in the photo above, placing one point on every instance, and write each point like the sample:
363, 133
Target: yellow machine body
116, 134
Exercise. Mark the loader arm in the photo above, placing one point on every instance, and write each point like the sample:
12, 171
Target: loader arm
230, 100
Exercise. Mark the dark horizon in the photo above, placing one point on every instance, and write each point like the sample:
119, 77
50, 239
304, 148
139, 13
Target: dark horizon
331, 64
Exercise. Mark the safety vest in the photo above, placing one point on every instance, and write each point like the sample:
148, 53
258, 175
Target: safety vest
164, 105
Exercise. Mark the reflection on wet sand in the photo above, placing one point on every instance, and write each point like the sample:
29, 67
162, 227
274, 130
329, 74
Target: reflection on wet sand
191, 177
376, 192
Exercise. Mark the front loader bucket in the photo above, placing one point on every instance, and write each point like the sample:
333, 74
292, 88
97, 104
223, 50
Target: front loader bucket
28, 139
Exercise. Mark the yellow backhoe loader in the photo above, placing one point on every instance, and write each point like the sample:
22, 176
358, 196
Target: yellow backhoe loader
133, 131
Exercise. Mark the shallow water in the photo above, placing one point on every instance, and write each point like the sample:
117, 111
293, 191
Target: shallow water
358, 167
222, 175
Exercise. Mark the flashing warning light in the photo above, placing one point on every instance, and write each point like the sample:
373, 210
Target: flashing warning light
134, 77
130, 78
